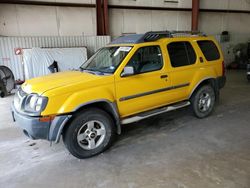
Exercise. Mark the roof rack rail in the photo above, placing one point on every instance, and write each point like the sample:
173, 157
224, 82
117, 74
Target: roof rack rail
184, 33
139, 38
153, 36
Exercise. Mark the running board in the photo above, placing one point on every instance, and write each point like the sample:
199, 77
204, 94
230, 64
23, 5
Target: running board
157, 111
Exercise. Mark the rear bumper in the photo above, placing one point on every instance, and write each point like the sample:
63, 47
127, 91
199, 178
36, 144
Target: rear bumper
248, 67
221, 81
36, 129
248, 70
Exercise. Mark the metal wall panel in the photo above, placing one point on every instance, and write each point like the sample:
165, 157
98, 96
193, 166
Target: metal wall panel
8, 44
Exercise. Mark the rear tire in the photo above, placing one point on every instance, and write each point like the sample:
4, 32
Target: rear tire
90, 133
203, 101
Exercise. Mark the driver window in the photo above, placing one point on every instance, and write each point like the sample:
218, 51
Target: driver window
146, 59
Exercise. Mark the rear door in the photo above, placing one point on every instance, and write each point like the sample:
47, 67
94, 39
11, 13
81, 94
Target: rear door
183, 62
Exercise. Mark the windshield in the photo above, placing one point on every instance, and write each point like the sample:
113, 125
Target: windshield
107, 59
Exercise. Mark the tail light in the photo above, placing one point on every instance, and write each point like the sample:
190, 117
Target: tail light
223, 68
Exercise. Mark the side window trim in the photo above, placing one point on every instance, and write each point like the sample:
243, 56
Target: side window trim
195, 60
189, 63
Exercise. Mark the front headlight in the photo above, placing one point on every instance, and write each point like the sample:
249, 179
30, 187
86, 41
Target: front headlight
35, 103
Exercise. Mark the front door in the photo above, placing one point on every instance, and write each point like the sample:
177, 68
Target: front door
148, 87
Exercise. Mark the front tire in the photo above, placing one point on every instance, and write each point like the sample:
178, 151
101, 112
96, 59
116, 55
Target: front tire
203, 101
90, 133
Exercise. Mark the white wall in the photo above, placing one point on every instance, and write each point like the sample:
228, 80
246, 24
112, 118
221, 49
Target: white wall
225, 4
136, 21
29, 20
140, 21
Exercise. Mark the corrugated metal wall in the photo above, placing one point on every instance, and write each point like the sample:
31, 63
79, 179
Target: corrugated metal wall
8, 44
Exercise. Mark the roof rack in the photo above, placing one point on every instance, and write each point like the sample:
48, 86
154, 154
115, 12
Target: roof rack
153, 36
187, 33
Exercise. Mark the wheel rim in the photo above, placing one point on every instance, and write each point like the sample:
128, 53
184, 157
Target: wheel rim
91, 135
204, 102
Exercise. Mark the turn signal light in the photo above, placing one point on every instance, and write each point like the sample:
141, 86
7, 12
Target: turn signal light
47, 118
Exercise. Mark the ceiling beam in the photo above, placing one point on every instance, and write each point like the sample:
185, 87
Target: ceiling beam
43, 3
177, 9
23, 2
147, 8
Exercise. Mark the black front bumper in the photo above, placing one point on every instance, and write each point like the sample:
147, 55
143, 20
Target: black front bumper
36, 129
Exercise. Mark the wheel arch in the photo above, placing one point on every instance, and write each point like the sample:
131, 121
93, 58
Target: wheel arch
105, 105
207, 81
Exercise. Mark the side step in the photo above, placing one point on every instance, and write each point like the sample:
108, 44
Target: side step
157, 111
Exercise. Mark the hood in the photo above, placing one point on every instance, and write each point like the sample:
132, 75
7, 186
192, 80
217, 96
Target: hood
45, 83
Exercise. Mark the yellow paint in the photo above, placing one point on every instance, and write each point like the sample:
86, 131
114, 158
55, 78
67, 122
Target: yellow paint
67, 91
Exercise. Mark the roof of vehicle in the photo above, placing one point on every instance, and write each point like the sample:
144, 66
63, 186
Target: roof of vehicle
154, 36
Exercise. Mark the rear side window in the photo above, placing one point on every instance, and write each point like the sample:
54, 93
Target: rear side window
181, 54
209, 50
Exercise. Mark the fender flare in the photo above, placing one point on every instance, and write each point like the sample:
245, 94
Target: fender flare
113, 110
198, 84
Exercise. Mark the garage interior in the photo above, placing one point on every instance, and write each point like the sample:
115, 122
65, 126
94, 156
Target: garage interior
173, 149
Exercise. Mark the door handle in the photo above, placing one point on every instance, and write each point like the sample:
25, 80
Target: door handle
164, 76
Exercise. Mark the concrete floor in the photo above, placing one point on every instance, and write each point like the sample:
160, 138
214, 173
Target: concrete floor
171, 150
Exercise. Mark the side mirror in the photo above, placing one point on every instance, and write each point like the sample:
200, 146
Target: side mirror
128, 71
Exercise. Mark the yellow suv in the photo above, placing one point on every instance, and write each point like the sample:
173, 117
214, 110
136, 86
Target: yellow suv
133, 78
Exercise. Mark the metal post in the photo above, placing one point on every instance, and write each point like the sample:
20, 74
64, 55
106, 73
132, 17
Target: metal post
99, 19
102, 19
195, 14
105, 17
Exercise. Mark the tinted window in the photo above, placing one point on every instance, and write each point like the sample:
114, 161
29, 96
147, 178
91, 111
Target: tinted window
209, 50
146, 59
181, 54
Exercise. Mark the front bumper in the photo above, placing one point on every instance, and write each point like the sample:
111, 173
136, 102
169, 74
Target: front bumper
35, 129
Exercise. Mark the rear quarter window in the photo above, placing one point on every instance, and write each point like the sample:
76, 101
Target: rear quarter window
209, 49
